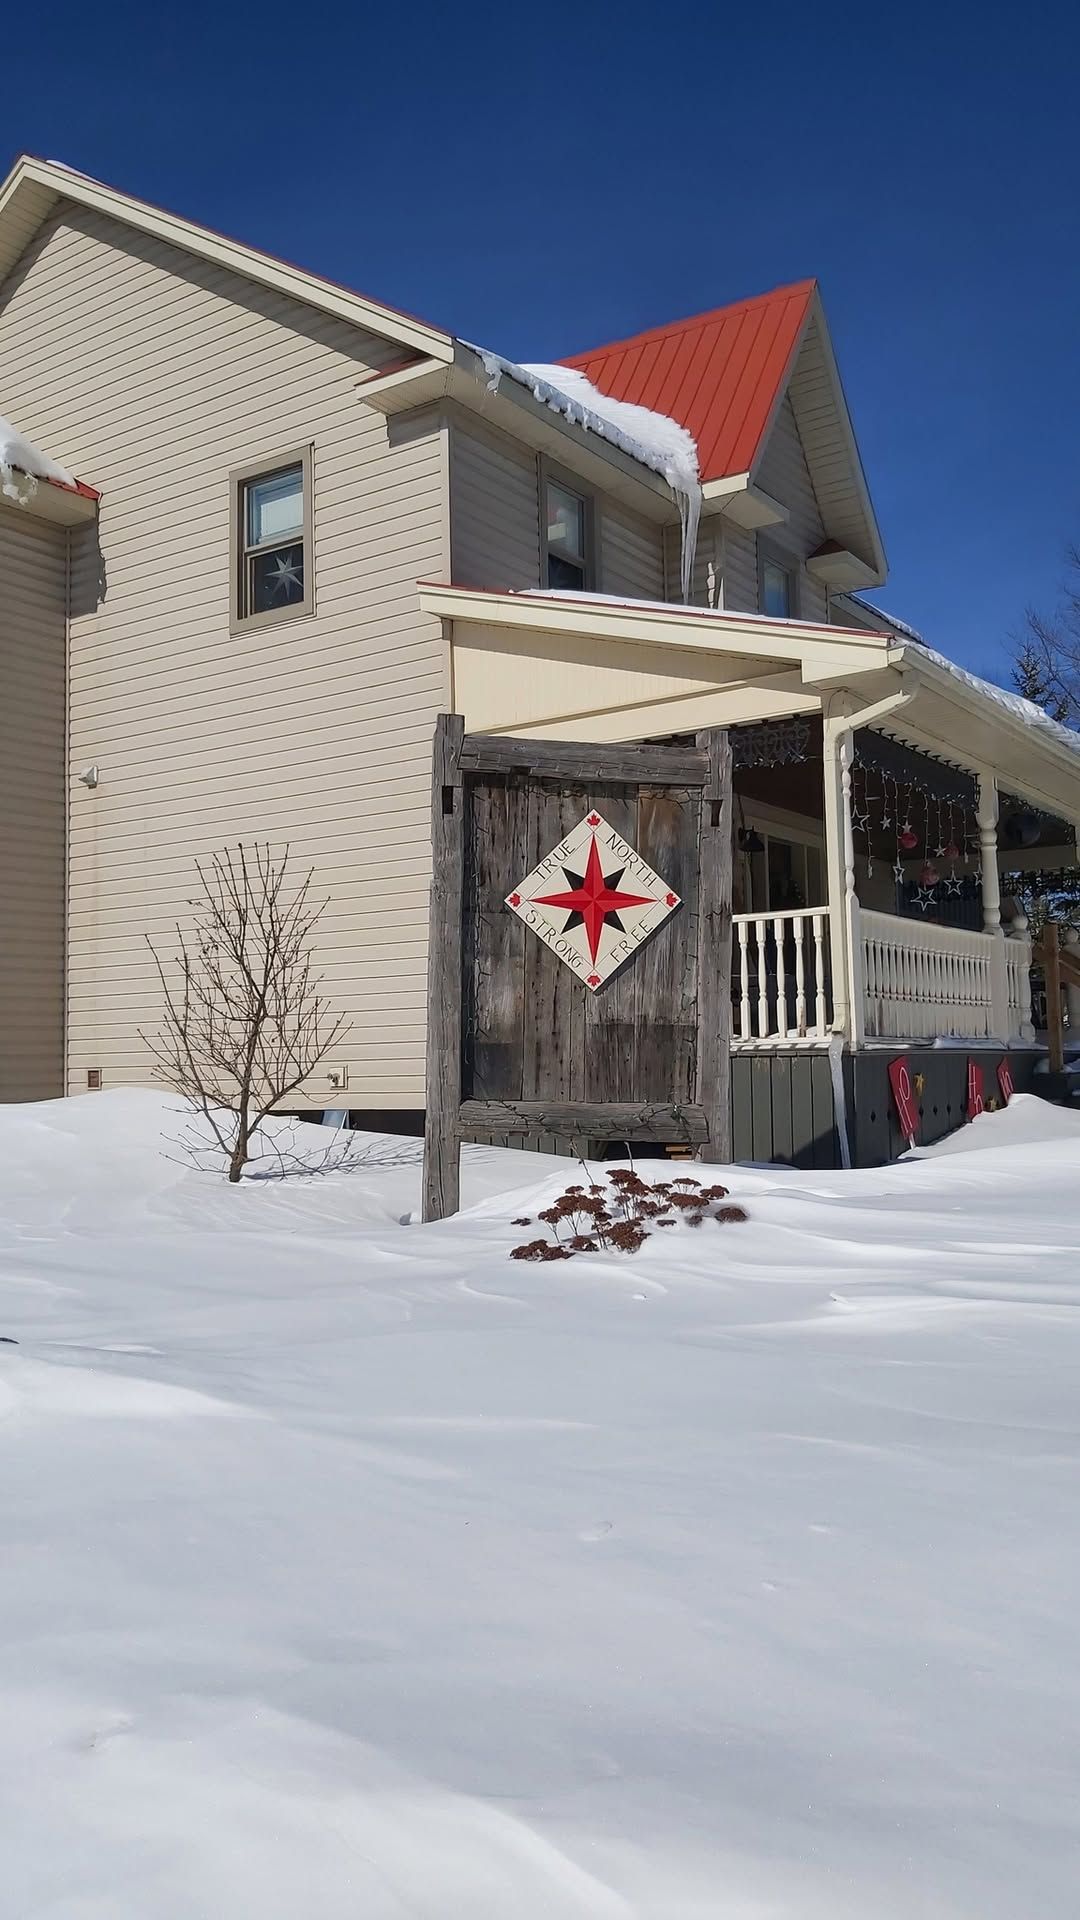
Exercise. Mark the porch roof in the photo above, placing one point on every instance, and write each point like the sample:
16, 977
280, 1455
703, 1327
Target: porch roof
603, 667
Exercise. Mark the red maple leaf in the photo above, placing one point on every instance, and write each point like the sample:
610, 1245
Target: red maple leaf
593, 980
514, 900
671, 899
593, 820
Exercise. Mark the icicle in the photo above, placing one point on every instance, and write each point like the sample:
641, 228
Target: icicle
652, 438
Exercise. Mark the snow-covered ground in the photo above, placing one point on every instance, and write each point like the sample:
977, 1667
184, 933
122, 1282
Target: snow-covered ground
354, 1571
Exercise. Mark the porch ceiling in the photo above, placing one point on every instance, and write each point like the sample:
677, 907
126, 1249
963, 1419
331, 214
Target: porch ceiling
949, 718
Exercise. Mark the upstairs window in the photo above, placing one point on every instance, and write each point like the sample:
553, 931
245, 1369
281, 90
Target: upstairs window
567, 523
272, 519
776, 588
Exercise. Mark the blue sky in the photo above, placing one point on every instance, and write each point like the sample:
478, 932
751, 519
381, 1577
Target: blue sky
546, 184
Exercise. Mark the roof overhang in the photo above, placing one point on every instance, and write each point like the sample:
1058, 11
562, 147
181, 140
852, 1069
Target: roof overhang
837, 567
66, 506
589, 667
739, 500
34, 188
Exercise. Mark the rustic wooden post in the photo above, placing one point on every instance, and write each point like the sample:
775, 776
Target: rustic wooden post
714, 946
1055, 1035
442, 1149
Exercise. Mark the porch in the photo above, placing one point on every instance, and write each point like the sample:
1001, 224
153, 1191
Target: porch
908, 915
883, 800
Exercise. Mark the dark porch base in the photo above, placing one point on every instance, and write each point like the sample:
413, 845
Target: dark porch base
783, 1111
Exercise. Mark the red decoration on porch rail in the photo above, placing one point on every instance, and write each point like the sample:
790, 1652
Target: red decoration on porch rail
908, 1112
1005, 1081
975, 1102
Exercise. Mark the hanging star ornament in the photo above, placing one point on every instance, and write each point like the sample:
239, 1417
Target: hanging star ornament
923, 898
898, 870
953, 883
284, 575
593, 901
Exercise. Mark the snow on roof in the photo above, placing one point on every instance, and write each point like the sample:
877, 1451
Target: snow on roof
22, 465
651, 438
1013, 703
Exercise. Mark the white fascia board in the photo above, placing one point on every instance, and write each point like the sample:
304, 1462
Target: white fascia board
819, 651
737, 499
232, 254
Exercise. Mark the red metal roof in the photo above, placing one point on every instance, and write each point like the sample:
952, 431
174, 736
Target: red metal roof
718, 374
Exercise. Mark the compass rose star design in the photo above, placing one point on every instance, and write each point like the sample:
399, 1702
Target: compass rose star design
592, 899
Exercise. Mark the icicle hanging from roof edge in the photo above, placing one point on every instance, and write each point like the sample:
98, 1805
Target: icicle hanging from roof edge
651, 438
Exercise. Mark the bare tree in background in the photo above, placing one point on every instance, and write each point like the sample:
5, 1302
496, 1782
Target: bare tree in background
1046, 658
245, 1022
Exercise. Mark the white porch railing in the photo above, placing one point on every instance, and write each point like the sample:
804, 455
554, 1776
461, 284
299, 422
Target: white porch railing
922, 981
780, 975
1018, 985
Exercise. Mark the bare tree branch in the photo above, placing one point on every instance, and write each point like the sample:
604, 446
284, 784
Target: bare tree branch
245, 1022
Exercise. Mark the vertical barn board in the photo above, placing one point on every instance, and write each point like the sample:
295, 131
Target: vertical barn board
612, 1016
551, 1015
782, 1124
496, 856
742, 1139
666, 836
445, 967
715, 837
761, 1131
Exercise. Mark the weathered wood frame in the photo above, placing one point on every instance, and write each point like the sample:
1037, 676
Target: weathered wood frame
707, 1123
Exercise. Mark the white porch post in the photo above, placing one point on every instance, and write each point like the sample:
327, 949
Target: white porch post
987, 817
845, 937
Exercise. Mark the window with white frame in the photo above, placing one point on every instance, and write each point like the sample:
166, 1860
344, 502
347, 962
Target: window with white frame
567, 537
776, 585
272, 541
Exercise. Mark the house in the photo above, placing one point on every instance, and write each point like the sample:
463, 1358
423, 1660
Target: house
304, 524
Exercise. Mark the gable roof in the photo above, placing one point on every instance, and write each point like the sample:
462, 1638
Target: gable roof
721, 375
34, 188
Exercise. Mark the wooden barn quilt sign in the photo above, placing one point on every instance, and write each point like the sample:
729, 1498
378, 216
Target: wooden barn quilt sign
593, 900
579, 948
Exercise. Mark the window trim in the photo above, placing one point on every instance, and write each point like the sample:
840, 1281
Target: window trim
771, 555
240, 479
550, 474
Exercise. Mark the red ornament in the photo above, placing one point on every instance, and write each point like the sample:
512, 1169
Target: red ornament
952, 851
908, 838
929, 876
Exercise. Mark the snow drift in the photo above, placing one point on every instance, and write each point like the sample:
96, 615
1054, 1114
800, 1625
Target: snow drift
352, 1568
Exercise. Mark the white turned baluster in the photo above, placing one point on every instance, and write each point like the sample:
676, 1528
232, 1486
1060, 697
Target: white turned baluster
781, 977
799, 928
762, 983
744, 980
820, 1011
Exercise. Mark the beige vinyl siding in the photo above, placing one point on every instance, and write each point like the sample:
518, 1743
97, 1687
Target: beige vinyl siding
153, 376
494, 509
725, 565
631, 553
785, 475
33, 587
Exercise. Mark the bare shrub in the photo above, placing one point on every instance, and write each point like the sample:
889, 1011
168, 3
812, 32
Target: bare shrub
245, 1022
